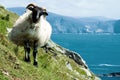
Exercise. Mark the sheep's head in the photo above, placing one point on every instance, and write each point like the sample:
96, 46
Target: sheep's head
36, 12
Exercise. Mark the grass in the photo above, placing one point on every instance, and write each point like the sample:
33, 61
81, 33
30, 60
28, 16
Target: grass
50, 67
5, 20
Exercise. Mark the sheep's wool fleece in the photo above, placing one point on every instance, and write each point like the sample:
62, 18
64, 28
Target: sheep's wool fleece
24, 30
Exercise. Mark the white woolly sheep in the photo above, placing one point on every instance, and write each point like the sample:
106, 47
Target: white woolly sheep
31, 30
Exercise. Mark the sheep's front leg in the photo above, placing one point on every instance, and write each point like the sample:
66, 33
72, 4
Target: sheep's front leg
27, 51
35, 51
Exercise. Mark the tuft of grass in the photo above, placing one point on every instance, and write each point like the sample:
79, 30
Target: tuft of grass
2, 76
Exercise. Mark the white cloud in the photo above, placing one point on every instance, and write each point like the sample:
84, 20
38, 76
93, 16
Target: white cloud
81, 8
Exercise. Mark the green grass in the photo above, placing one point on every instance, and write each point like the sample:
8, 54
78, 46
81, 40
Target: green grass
4, 21
2, 76
50, 67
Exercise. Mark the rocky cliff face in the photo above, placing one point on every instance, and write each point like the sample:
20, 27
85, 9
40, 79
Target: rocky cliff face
114, 74
58, 64
55, 49
72, 55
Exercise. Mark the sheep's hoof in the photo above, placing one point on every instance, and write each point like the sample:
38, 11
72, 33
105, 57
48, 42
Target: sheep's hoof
35, 64
27, 60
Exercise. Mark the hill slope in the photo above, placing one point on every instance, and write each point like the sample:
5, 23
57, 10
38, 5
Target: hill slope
58, 64
6, 19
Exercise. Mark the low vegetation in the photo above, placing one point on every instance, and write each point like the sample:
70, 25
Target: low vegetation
7, 19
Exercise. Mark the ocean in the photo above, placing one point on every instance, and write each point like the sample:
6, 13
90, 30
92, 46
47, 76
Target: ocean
100, 51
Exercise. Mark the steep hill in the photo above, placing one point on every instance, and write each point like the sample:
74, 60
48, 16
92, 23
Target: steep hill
58, 64
65, 24
7, 19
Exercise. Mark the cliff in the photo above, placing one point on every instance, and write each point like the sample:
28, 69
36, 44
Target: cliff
58, 64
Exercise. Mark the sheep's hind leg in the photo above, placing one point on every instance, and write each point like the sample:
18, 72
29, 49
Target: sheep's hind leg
27, 52
45, 47
35, 51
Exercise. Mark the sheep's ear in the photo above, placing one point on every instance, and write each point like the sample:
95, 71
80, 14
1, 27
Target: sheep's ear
44, 11
31, 6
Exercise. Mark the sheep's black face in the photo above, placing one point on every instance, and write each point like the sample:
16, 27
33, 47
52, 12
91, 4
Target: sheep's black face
36, 12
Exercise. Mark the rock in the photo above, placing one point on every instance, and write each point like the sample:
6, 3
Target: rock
68, 65
115, 74
76, 57
73, 55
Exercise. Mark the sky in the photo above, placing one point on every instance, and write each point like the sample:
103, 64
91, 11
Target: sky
74, 8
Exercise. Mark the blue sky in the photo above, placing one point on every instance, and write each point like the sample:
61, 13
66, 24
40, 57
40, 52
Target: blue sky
76, 8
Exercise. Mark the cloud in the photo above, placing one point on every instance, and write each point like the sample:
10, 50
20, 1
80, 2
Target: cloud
81, 8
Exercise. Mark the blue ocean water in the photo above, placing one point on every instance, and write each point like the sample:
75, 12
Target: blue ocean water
100, 51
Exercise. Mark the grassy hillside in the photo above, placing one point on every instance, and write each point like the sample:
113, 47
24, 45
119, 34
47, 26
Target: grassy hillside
54, 65
6, 19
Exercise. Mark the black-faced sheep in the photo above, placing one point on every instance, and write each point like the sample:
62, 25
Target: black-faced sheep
31, 30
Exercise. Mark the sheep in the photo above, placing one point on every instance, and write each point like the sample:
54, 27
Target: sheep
31, 30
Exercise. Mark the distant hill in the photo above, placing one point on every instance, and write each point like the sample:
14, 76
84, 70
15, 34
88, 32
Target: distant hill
65, 24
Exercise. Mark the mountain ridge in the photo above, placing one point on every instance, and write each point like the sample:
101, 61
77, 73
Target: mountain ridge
22, 9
